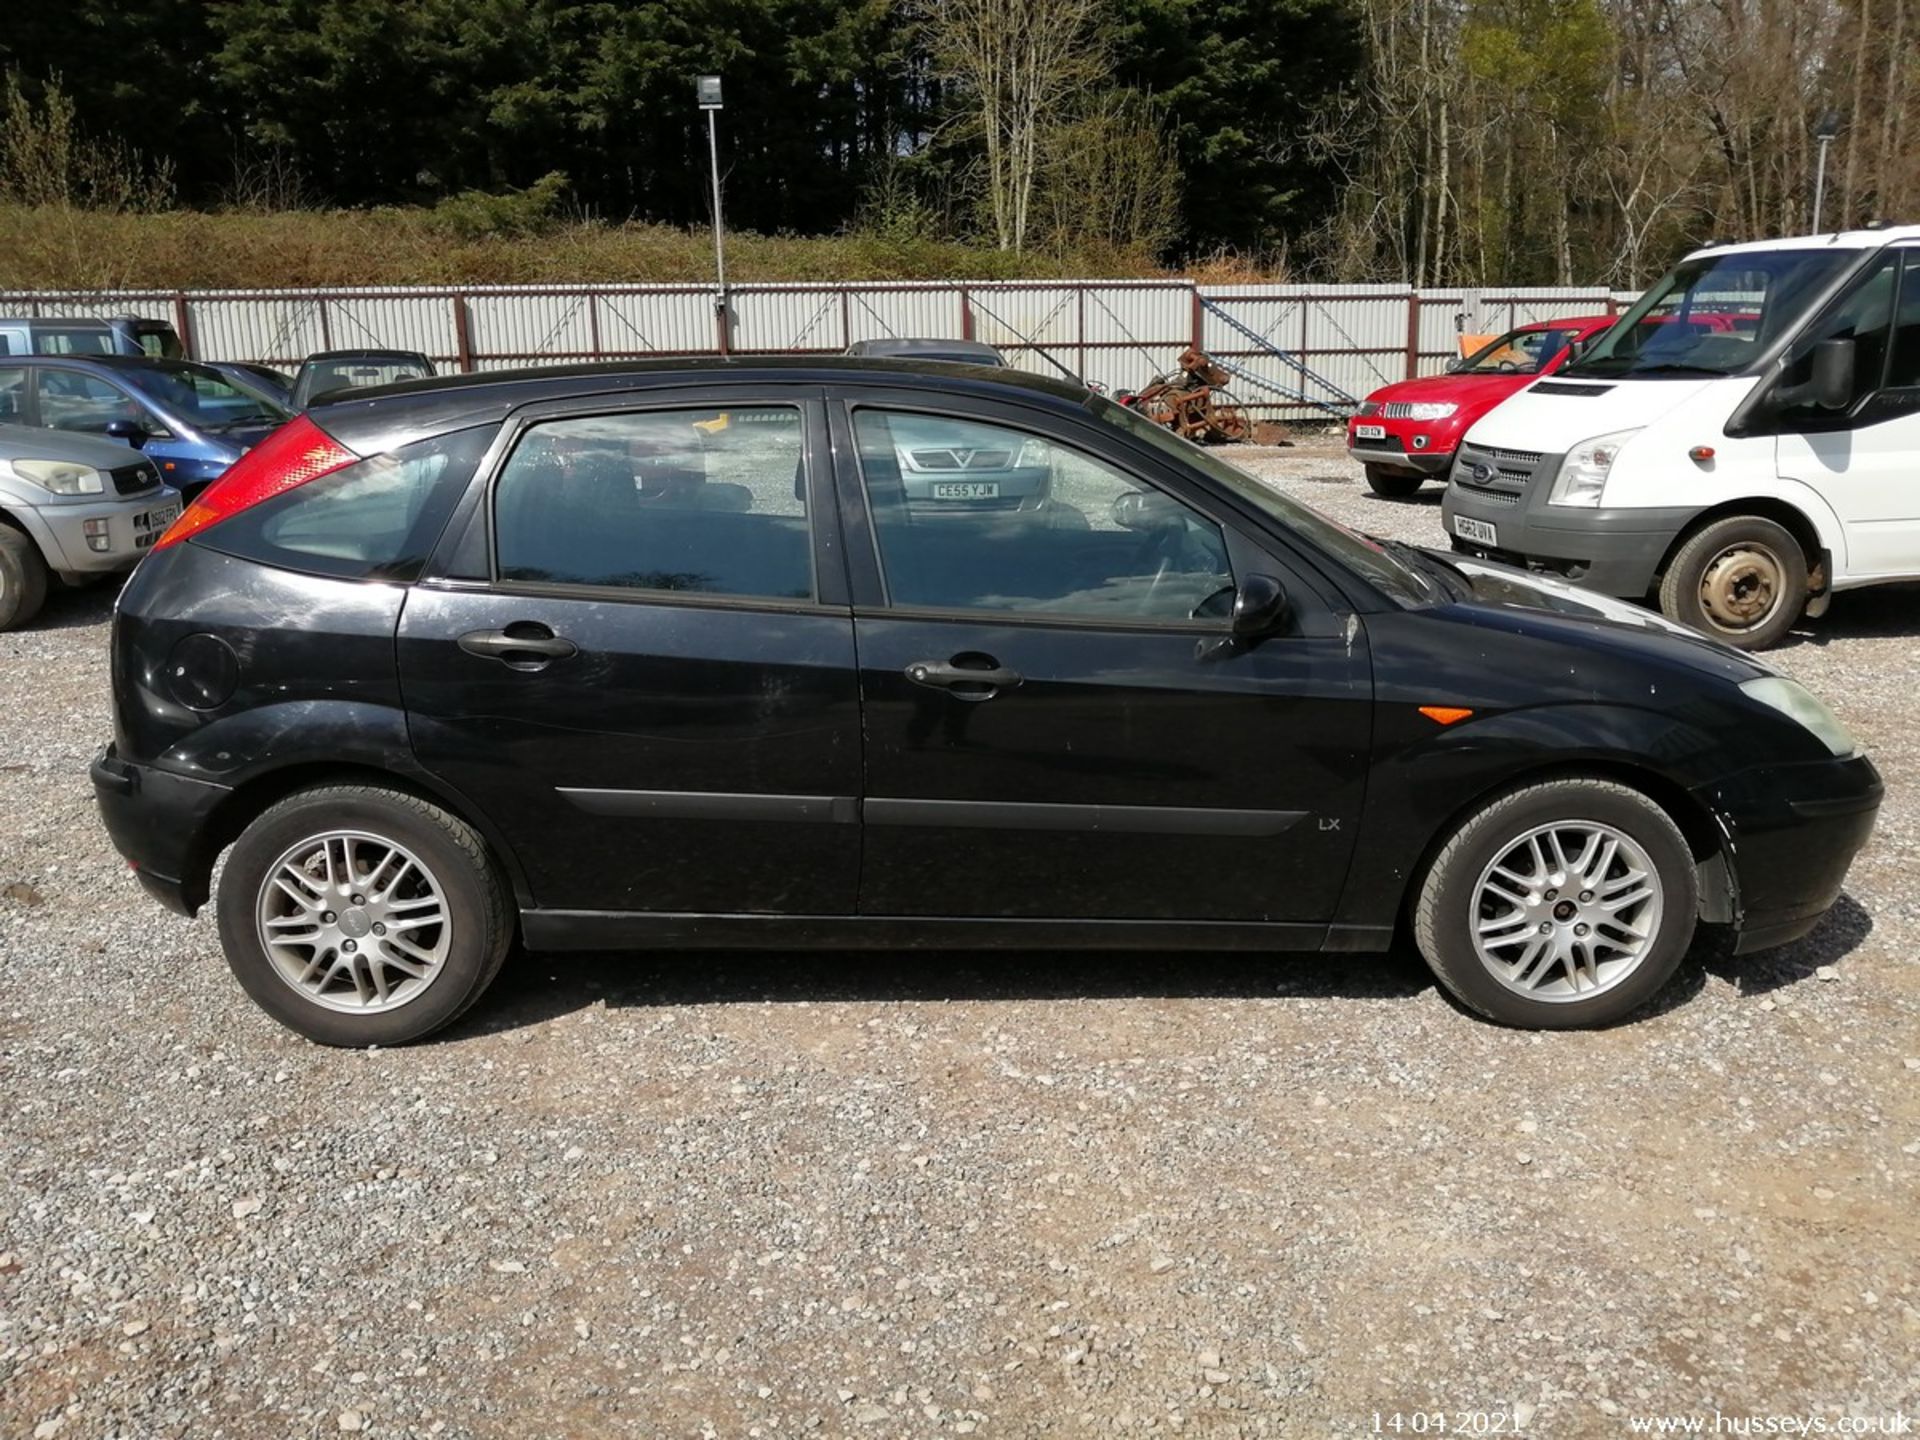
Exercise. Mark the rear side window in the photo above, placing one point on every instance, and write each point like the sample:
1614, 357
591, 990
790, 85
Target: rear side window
377, 519
700, 501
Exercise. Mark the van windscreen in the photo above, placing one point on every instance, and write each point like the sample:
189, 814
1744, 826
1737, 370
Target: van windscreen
1713, 314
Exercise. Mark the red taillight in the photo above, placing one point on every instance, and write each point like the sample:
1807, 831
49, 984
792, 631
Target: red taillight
297, 452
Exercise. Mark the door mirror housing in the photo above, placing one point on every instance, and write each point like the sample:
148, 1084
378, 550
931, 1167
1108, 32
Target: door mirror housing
1833, 365
131, 431
1260, 609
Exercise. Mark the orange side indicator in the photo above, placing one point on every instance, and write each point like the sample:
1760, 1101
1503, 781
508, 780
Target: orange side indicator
1444, 714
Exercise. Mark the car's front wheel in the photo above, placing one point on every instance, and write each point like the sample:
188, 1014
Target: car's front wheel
23, 578
1559, 905
1741, 579
358, 915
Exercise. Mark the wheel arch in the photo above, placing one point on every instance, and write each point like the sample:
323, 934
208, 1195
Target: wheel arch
253, 797
1796, 520
1706, 839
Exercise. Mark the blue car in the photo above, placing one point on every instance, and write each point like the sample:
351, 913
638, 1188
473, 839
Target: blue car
189, 419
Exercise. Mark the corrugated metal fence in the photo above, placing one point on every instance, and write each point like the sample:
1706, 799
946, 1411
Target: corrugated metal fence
1297, 350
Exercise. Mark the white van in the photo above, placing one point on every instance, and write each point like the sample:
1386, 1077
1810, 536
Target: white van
1745, 441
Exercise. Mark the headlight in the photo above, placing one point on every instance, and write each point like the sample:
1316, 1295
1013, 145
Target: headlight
1794, 700
61, 477
1034, 455
1431, 409
1583, 474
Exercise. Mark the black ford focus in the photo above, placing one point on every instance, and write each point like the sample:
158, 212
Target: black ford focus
660, 654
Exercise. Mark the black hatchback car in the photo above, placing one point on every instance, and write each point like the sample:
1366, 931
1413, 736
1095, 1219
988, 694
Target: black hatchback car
659, 655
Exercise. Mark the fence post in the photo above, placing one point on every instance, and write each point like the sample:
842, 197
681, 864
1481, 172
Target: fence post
462, 336
966, 314
180, 325
1413, 333
1199, 319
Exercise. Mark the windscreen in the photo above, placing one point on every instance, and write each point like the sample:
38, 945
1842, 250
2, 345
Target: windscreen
1518, 352
205, 398
1714, 314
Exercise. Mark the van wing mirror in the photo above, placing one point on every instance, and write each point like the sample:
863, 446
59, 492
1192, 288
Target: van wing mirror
1833, 367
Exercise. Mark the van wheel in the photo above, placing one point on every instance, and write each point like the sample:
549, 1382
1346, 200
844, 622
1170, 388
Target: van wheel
1560, 905
23, 578
1394, 484
362, 916
1742, 580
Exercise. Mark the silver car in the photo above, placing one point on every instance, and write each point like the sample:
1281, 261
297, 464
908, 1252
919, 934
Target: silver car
75, 507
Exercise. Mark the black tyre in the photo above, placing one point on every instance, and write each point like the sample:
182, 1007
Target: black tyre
1742, 579
23, 578
362, 916
1560, 905
1394, 484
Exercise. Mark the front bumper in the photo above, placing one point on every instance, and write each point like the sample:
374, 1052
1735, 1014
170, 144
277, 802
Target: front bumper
1792, 832
130, 525
1616, 551
1427, 462
161, 823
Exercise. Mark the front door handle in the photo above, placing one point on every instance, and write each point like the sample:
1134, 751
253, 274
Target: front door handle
980, 680
523, 645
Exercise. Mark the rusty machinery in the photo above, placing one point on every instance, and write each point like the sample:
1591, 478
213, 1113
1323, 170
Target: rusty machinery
1189, 401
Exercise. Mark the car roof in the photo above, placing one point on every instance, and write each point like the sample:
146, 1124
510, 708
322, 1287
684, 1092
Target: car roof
907, 346
378, 417
1835, 239
363, 354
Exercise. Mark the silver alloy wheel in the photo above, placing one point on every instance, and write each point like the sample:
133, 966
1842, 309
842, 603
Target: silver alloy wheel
354, 921
1566, 910
1742, 586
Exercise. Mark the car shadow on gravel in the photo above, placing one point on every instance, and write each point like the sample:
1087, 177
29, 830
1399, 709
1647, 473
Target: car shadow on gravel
535, 988
1873, 612
68, 608
538, 987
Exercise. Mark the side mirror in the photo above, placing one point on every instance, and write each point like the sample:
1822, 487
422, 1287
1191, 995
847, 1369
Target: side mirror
1456, 365
1260, 609
131, 431
1832, 385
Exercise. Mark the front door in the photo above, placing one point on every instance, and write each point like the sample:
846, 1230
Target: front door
1053, 729
646, 677
1865, 460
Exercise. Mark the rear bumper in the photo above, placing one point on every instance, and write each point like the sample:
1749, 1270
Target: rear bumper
158, 821
1793, 831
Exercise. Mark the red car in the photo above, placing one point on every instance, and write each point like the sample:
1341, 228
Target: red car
1406, 432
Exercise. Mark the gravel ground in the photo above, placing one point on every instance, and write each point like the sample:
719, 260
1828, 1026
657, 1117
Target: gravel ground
1010, 1195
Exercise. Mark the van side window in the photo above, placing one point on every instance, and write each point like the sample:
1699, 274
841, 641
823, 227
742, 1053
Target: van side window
700, 501
1903, 368
1863, 315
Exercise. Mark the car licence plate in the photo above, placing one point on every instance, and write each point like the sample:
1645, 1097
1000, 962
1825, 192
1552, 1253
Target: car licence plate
147, 527
1370, 432
966, 489
1478, 531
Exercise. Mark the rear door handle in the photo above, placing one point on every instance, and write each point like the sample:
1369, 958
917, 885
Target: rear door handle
963, 682
524, 645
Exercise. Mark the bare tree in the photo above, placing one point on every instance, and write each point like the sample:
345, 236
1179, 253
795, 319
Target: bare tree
1020, 62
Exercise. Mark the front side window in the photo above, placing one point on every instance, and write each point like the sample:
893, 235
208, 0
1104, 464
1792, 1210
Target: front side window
1863, 315
970, 515
1714, 314
72, 400
1903, 366
1518, 352
695, 501
376, 519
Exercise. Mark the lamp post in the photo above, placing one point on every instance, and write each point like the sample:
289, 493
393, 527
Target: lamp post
1824, 129
706, 90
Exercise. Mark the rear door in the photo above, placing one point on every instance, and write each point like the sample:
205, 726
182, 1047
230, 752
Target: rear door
638, 660
1053, 730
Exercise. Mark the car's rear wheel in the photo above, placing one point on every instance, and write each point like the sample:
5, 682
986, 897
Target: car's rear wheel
1559, 905
23, 578
1742, 579
1394, 484
362, 916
